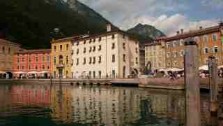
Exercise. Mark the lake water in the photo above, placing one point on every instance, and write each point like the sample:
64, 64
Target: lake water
44, 105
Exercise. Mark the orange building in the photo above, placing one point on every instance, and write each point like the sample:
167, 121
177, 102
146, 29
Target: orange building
7, 51
209, 42
32, 63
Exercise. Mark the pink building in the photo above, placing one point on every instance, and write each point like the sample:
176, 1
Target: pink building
32, 64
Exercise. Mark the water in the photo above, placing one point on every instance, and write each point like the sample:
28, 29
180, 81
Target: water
42, 105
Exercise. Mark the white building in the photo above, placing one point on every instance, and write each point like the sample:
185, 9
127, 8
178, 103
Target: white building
112, 54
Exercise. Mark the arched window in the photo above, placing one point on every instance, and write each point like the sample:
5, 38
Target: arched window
60, 59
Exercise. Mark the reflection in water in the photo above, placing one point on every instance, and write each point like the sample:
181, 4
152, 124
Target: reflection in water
94, 106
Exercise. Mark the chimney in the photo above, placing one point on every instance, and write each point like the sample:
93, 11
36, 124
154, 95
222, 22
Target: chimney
178, 32
200, 27
181, 31
109, 27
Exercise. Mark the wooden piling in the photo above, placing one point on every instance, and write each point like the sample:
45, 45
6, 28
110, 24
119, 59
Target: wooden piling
192, 85
213, 85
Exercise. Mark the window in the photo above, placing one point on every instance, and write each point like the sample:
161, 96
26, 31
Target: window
214, 37
61, 47
89, 41
99, 74
94, 59
123, 36
99, 59
113, 45
182, 53
9, 50
43, 67
84, 41
99, 48
36, 58
84, 50
36, 67
43, 58
18, 67
206, 50
18, 60
94, 40
113, 36
3, 49
168, 55
94, 48
168, 44
67, 46
84, 61
175, 54
205, 38
29, 59
77, 63
77, 51
113, 58
123, 45
77, 43
60, 59
215, 49
54, 60
90, 60
48, 58
181, 42
67, 60
55, 48
48, 67
137, 60
90, 49
99, 39
22, 59
124, 58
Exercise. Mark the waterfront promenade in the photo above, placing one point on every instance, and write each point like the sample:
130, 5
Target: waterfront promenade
158, 83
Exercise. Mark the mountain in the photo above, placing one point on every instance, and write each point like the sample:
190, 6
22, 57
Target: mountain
32, 22
145, 33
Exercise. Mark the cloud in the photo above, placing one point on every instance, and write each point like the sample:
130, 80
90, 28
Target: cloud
170, 24
168, 16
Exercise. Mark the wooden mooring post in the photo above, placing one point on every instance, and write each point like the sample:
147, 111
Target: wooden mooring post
193, 117
213, 85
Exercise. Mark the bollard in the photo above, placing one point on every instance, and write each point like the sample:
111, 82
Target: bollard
192, 85
213, 85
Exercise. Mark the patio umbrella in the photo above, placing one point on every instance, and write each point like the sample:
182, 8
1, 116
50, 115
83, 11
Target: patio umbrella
204, 67
219, 67
2, 72
19, 72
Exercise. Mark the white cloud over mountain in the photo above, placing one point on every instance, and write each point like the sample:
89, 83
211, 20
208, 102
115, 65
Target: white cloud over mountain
168, 16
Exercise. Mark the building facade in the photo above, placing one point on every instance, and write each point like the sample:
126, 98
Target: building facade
61, 61
32, 63
7, 51
155, 54
109, 55
209, 42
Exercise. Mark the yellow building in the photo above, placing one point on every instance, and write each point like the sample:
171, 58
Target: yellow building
155, 54
7, 51
61, 61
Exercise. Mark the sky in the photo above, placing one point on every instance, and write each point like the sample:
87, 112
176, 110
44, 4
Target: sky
168, 16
